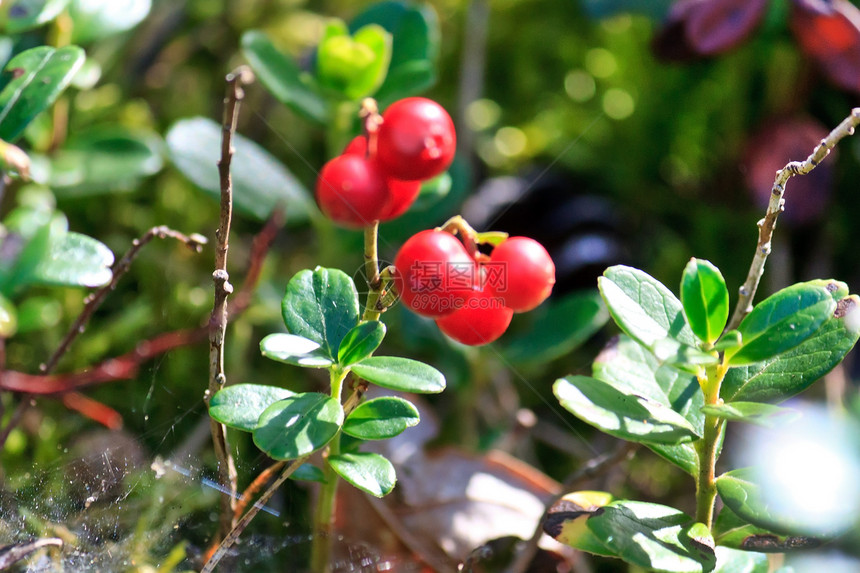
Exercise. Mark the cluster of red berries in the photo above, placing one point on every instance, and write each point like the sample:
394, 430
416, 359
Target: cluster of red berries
472, 296
379, 175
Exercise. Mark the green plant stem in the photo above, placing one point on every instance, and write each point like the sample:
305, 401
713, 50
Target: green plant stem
323, 515
371, 271
708, 448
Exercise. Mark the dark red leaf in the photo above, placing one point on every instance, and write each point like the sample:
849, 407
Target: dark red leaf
717, 26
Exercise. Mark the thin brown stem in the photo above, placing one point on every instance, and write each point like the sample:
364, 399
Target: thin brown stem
776, 205
218, 321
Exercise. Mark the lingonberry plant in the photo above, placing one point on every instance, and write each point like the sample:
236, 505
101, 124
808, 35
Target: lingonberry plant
679, 372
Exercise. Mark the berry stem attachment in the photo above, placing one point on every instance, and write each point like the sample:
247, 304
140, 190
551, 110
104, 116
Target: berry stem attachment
371, 271
371, 120
458, 225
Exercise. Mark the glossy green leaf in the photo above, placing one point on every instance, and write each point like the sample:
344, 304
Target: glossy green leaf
103, 160
729, 342
654, 536
240, 406
260, 182
744, 496
321, 305
8, 318
756, 413
36, 78
360, 342
295, 350
558, 328
624, 415
282, 77
97, 19
406, 80
432, 190
308, 472
790, 373
298, 425
74, 260
354, 66
781, 322
644, 308
705, 299
566, 521
400, 374
632, 369
381, 418
24, 15
733, 532
28, 238
369, 472
734, 561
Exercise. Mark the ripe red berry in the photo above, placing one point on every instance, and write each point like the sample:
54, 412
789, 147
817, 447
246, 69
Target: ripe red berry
482, 319
352, 190
435, 274
401, 194
521, 272
416, 139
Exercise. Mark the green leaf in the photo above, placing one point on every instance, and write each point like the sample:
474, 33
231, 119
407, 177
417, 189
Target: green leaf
369, 472
654, 537
74, 260
97, 19
260, 182
705, 299
733, 532
308, 472
627, 416
632, 369
432, 190
36, 78
781, 322
756, 413
729, 342
28, 237
295, 350
103, 160
354, 66
381, 418
566, 521
8, 318
25, 15
240, 406
321, 305
644, 309
734, 561
406, 80
790, 373
559, 328
282, 77
360, 342
298, 425
740, 492
400, 374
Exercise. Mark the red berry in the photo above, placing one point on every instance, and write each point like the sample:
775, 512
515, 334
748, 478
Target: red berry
352, 190
521, 272
416, 139
482, 319
435, 274
402, 194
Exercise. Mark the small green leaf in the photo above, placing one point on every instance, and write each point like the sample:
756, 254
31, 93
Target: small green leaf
655, 537
566, 521
670, 351
369, 472
34, 79
645, 309
97, 19
260, 182
75, 260
360, 342
240, 406
432, 191
381, 418
8, 318
282, 77
400, 374
627, 416
354, 66
558, 328
321, 305
295, 350
298, 425
781, 322
756, 413
729, 342
25, 15
29, 235
406, 80
732, 531
734, 561
790, 373
308, 472
705, 299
